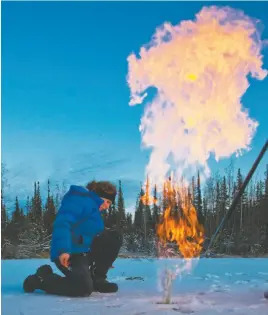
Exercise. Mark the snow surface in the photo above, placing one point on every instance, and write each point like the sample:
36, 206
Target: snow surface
215, 286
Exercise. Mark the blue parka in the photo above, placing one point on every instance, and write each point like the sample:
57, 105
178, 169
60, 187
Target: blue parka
77, 222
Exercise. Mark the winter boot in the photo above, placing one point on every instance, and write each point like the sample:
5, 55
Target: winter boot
100, 282
31, 283
44, 271
34, 282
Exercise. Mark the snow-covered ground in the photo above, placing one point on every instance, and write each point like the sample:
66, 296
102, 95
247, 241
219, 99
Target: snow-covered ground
215, 286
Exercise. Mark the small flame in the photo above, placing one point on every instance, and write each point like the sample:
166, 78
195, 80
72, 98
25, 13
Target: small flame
184, 230
147, 199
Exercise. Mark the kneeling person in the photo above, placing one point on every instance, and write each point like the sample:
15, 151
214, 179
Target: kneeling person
81, 248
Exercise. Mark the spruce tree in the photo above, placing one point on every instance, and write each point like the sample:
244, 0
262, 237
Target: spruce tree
198, 201
4, 219
17, 222
129, 222
261, 191
205, 207
147, 215
263, 210
156, 209
39, 208
32, 206
174, 203
139, 212
239, 213
165, 197
36, 205
16, 215
224, 195
111, 220
3, 212
189, 200
121, 211
28, 208
218, 207
193, 193
50, 211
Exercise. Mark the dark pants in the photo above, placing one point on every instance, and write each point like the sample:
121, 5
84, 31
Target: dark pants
77, 280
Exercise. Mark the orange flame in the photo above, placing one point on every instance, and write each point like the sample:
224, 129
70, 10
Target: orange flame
147, 199
184, 230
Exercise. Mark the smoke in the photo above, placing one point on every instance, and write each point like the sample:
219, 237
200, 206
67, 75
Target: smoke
200, 72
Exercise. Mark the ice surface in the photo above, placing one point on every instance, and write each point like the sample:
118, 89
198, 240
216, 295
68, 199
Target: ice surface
215, 286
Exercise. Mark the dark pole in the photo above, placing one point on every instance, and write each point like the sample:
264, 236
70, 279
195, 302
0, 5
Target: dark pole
237, 197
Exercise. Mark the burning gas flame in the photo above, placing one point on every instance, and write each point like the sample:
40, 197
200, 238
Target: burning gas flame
180, 227
186, 232
183, 229
199, 70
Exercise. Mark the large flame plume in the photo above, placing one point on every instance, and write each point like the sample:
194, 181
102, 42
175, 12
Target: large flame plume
200, 71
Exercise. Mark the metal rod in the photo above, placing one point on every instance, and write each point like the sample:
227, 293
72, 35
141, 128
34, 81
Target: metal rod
237, 197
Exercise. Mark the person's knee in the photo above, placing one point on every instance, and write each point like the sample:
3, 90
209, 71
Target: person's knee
84, 290
83, 287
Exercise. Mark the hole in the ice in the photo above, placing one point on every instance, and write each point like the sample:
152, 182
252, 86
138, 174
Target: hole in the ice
183, 311
116, 305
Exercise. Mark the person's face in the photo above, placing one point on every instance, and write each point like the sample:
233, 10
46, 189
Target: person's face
105, 205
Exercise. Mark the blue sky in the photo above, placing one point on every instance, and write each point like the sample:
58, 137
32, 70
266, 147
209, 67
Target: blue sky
65, 112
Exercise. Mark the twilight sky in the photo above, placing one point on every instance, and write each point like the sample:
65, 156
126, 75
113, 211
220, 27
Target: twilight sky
65, 112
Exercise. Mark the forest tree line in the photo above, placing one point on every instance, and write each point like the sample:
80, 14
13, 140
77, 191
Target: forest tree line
26, 231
